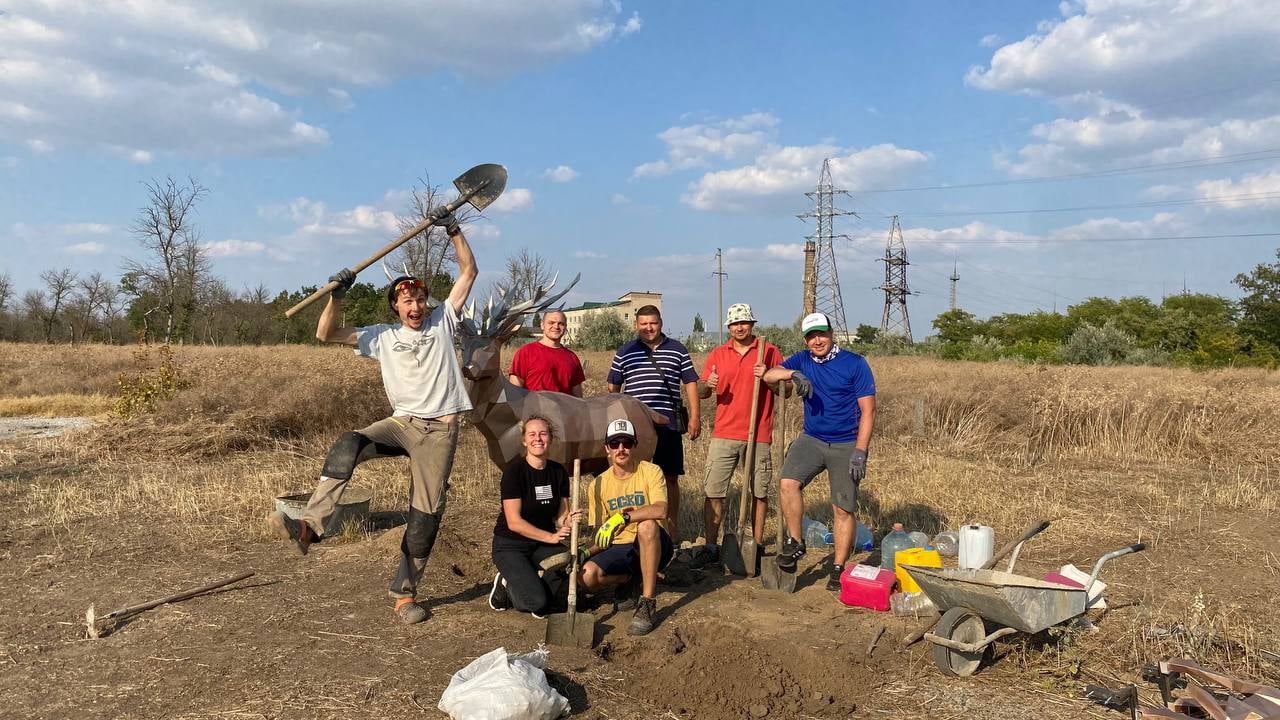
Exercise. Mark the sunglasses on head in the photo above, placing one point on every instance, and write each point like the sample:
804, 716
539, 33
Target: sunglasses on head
622, 443
409, 284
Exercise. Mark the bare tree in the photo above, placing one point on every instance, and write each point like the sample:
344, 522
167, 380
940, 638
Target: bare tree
524, 273
165, 228
61, 284
111, 308
92, 290
6, 291
35, 307
429, 253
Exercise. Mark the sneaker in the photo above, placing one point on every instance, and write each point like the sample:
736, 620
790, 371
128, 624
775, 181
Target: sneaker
642, 620
410, 612
298, 532
499, 598
539, 614
704, 556
790, 554
833, 582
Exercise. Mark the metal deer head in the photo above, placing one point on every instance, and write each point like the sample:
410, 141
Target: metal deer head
483, 332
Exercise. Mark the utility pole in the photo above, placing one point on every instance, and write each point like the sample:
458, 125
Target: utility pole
720, 276
955, 278
894, 320
822, 282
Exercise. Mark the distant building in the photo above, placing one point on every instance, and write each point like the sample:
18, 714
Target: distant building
624, 306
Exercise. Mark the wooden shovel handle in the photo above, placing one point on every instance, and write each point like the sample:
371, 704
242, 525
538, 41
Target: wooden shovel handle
573, 536
749, 472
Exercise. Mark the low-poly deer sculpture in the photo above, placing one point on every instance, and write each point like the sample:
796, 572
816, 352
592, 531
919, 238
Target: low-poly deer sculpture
577, 424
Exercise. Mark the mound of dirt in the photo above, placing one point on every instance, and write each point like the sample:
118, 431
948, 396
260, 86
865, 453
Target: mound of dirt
718, 670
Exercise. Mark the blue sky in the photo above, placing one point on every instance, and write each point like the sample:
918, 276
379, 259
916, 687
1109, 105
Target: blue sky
642, 136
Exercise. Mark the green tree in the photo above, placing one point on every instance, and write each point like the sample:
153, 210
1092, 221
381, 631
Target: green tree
1094, 345
698, 325
1260, 306
1130, 314
956, 326
867, 333
1185, 319
602, 330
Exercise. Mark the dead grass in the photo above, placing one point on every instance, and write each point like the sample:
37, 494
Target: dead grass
58, 405
1182, 460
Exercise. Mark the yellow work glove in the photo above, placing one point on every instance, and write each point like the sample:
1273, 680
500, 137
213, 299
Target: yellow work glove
604, 536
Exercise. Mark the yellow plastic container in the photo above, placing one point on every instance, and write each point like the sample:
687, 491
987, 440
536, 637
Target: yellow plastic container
914, 556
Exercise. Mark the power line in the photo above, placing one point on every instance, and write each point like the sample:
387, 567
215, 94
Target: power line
1209, 200
1255, 156
1048, 240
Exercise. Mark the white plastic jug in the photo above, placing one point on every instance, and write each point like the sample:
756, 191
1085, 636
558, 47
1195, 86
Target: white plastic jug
977, 542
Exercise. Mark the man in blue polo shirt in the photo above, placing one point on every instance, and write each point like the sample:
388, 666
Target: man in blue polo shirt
839, 410
653, 368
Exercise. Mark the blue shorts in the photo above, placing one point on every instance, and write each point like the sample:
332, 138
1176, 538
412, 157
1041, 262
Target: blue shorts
624, 559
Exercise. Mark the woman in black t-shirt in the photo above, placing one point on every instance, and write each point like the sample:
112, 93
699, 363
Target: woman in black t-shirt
534, 519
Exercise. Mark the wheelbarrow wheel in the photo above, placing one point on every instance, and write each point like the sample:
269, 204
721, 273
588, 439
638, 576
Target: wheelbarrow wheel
962, 625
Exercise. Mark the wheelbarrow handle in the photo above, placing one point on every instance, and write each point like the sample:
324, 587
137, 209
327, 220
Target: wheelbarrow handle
1097, 568
1027, 534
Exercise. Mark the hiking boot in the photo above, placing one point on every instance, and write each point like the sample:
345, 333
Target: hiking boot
499, 598
790, 554
299, 533
642, 620
409, 611
704, 556
833, 582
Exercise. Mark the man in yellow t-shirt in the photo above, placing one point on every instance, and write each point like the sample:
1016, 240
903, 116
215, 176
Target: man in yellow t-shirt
627, 503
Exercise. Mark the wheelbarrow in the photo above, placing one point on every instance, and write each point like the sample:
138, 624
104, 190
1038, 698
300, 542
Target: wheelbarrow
981, 606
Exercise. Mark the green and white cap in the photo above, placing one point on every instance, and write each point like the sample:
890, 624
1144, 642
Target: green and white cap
815, 322
739, 312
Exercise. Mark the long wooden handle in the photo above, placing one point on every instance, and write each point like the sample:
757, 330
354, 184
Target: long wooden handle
749, 473
174, 598
1027, 534
573, 536
385, 250
782, 442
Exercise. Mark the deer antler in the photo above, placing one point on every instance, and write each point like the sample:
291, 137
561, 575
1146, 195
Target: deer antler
500, 317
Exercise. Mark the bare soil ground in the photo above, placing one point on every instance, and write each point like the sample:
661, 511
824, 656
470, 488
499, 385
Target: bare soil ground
111, 516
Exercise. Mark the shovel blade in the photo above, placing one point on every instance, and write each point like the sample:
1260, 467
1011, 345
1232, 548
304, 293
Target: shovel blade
482, 184
750, 556
773, 577
571, 630
731, 555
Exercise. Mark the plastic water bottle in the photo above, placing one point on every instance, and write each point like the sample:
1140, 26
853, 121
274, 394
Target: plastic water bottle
896, 540
947, 543
920, 539
815, 533
911, 603
863, 542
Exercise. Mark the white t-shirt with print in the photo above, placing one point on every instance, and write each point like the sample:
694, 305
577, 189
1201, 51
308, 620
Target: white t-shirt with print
420, 371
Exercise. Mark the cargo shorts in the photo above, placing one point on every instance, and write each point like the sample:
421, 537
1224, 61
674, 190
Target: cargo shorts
808, 456
724, 456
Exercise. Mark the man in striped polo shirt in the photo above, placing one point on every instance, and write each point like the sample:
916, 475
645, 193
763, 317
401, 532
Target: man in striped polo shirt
653, 368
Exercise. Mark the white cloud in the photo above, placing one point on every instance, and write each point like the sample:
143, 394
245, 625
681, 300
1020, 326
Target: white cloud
84, 228
989, 40
695, 145
86, 248
560, 173
1161, 224
234, 248
38, 146
513, 200
620, 199
140, 157
110, 75
1144, 52
1164, 192
780, 175
589, 255
1260, 190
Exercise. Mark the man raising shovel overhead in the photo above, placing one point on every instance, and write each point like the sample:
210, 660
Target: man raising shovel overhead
423, 381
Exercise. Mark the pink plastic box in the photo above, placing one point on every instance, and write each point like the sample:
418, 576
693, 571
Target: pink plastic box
866, 586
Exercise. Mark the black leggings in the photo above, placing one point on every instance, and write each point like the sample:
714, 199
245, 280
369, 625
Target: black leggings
517, 561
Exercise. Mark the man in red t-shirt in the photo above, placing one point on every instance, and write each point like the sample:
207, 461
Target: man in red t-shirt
546, 364
729, 373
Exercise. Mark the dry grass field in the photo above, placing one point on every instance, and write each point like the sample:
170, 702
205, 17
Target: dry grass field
133, 509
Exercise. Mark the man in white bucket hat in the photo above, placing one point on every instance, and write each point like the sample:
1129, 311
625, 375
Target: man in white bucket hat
728, 374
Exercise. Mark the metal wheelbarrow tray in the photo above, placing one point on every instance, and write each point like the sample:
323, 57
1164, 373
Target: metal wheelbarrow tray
973, 600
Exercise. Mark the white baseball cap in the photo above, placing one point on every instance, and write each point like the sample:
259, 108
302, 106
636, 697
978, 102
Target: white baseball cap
619, 428
815, 322
739, 312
